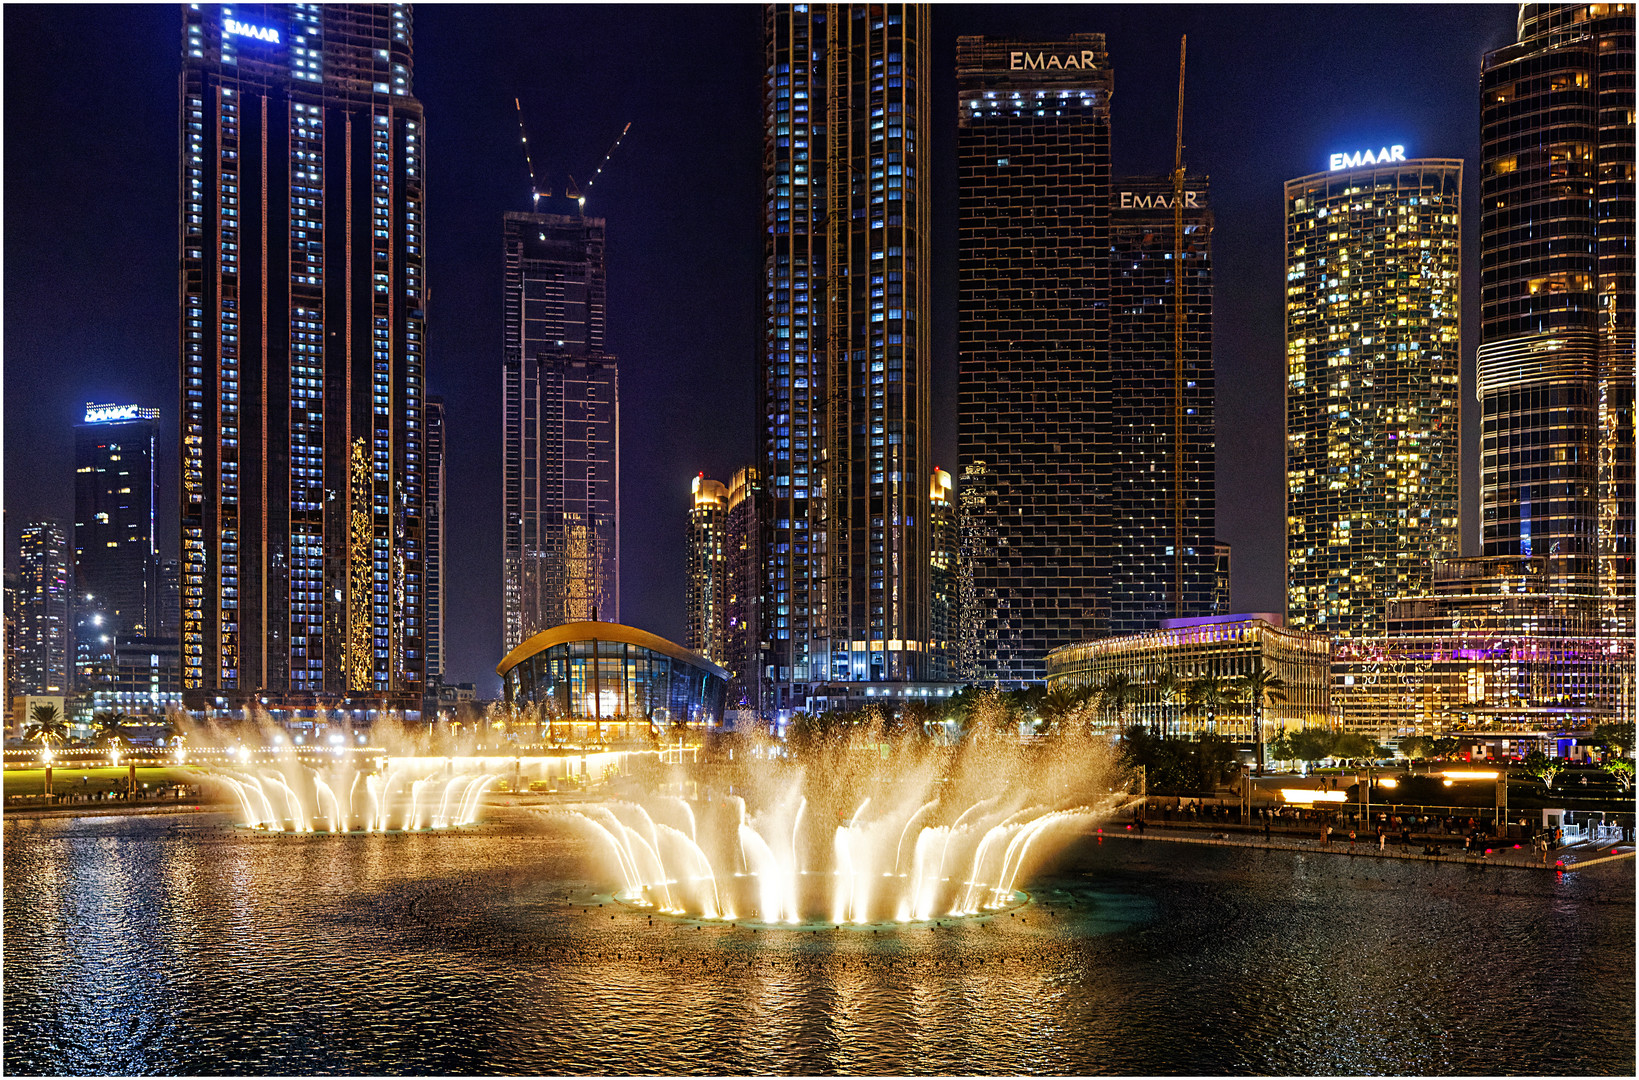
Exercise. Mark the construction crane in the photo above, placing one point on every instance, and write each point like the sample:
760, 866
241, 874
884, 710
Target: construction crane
1178, 348
575, 192
535, 191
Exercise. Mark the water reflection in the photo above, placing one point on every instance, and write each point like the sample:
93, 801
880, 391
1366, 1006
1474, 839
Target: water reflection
180, 945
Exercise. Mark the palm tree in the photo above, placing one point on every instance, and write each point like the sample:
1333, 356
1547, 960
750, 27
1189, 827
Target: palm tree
1115, 692
1169, 691
1060, 705
110, 729
1262, 686
46, 725
1207, 695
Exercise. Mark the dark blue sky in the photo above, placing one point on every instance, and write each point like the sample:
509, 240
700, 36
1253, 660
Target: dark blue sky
91, 203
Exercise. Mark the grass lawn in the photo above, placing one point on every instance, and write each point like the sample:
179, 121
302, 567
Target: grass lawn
67, 780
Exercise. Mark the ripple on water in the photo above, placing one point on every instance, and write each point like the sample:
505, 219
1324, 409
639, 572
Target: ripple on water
133, 946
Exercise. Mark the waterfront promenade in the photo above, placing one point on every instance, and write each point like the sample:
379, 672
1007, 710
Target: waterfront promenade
1511, 853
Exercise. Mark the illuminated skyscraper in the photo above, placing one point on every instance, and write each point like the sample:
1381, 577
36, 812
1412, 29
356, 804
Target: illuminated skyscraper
1157, 457
302, 356
45, 589
942, 623
437, 582
115, 560
1556, 357
844, 382
707, 569
561, 428
1373, 313
1033, 157
742, 595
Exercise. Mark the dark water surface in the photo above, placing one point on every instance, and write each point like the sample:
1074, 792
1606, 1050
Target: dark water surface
178, 945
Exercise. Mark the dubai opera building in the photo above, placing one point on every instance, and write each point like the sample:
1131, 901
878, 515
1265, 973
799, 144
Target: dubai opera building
625, 682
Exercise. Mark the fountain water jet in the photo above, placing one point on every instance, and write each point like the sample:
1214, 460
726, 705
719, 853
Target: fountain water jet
914, 836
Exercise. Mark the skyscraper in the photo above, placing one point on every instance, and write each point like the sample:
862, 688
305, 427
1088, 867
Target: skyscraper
1373, 313
435, 525
707, 569
44, 591
843, 392
742, 595
1556, 357
116, 563
942, 577
561, 457
1157, 457
1033, 158
302, 359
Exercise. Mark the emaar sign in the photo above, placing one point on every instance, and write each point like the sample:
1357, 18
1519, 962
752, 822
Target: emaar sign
235, 28
1366, 157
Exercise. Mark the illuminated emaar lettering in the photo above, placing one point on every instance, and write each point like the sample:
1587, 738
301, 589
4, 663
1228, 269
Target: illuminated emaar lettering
1137, 200
1384, 156
1023, 61
236, 28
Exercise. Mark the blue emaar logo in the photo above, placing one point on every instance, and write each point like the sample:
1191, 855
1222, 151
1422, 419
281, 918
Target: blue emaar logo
244, 29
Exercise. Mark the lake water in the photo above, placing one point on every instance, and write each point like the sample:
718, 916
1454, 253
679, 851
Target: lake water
176, 944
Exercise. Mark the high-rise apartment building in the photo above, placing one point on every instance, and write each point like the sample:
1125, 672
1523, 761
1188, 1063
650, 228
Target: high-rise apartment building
1556, 357
1033, 154
1157, 457
116, 563
302, 357
942, 623
707, 570
843, 392
742, 595
1373, 315
45, 590
435, 526
560, 439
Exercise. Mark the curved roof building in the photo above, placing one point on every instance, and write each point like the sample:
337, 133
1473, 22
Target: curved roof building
598, 671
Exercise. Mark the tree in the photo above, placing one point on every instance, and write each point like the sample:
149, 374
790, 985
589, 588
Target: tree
46, 725
1170, 691
1618, 737
1261, 686
1416, 746
1311, 744
1115, 692
1351, 744
1206, 695
1059, 708
111, 729
1280, 748
1542, 766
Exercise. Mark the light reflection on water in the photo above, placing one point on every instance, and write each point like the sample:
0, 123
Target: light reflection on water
178, 945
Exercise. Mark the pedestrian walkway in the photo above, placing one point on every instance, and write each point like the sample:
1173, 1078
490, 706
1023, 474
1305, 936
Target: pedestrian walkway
1520, 857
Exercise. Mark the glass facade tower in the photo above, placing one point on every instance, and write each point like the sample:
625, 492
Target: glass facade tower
561, 428
1158, 457
843, 393
1556, 359
302, 357
707, 568
1033, 154
115, 558
45, 586
1373, 317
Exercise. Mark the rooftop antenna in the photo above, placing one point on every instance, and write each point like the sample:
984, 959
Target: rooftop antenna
579, 196
535, 191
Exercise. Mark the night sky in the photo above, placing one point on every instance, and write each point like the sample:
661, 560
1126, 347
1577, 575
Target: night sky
90, 251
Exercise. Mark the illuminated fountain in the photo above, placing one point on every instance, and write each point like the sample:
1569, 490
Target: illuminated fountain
861, 833
405, 794
402, 782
